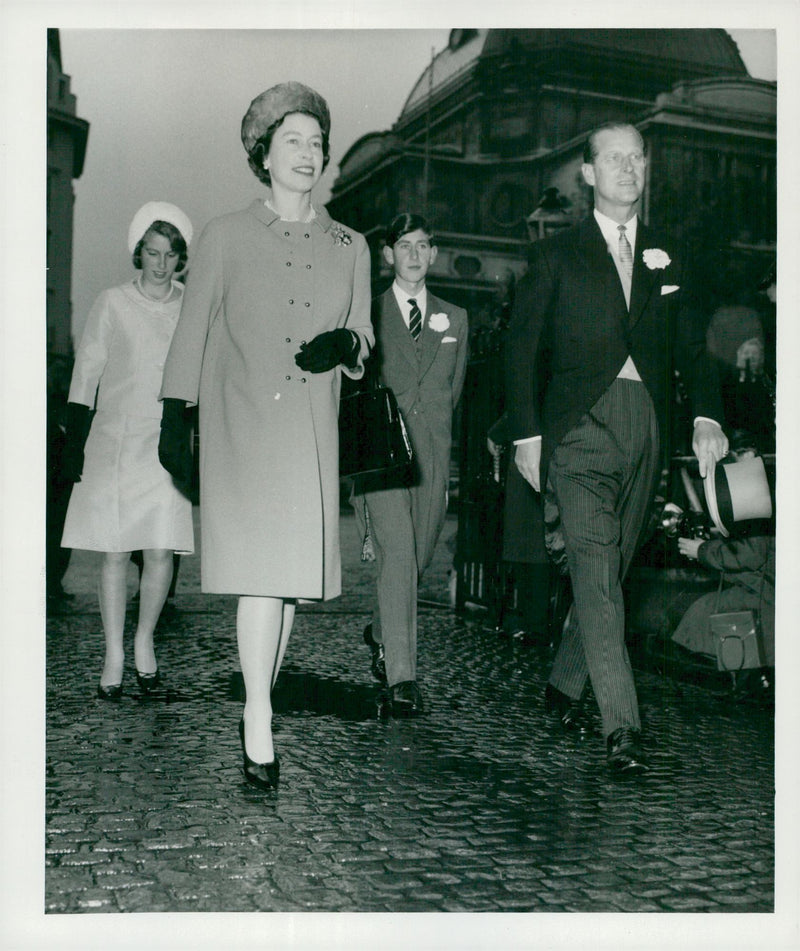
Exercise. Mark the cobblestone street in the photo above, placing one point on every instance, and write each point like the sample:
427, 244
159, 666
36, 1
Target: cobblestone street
479, 806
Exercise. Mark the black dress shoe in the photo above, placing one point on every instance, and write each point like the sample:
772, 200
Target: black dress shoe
148, 682
570, 712
406, 699
625, 751
378, 664
263, 775
112, 692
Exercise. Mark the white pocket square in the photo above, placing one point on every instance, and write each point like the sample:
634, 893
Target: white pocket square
449, 340
670, 288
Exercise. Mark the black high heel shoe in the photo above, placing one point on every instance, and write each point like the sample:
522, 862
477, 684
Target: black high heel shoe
263, 775
148, 682
113, 692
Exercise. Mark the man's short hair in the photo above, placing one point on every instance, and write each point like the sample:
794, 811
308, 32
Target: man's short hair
405, 224
589, 149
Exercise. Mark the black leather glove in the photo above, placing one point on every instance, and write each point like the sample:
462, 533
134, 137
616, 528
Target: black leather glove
328, 350
174, 443
78, 423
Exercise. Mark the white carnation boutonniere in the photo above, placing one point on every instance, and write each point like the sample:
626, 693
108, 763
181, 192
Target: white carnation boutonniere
340, 237
439, 322
656, 259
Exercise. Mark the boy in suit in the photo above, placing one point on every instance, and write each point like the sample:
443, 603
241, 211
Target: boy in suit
421, 354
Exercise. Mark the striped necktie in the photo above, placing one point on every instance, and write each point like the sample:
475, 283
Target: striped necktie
625, 252
415, 319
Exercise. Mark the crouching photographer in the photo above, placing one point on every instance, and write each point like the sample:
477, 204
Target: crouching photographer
735, 624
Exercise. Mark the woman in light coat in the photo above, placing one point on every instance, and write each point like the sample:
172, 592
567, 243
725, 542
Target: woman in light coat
276, 309
124, 500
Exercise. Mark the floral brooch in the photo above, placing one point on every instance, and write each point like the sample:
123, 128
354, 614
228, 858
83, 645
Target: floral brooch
438, 322
656, 259
340, 236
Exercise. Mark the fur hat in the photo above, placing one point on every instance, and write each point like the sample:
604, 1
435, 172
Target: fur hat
278, 101
158, 211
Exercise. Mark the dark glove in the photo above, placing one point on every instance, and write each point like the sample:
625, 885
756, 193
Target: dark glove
328, 350
174, 444
78, 423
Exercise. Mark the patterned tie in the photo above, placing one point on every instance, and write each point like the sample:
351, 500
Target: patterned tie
625, 252
415, 320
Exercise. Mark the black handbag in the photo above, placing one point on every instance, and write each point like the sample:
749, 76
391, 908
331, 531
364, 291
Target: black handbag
372, 435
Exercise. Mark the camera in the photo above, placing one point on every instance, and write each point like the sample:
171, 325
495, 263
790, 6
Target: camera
675, 523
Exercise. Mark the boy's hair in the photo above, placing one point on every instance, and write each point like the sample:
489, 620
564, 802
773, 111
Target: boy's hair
405, 224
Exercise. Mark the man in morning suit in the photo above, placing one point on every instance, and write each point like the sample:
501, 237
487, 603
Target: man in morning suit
604, 302
421, 354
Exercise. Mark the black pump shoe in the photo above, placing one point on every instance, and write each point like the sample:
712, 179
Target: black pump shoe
262, 775
148, 682
113, 692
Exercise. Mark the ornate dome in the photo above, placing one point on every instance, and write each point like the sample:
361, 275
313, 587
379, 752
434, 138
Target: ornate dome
674, 55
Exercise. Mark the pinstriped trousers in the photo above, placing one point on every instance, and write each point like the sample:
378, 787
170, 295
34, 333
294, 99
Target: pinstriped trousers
603, 476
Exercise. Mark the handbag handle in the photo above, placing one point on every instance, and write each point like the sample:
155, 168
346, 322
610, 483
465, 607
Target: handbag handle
762, 654
371, 379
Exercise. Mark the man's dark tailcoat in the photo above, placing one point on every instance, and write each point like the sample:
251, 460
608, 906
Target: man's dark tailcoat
571, 333
571, 303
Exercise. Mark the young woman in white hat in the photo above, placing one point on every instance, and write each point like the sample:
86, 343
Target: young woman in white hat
123, 499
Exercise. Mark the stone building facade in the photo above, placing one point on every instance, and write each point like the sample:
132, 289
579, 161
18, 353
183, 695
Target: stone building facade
489, 145
67, 136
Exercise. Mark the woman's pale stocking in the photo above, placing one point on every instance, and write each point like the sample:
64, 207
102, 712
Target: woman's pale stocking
263, 626
153, 588
112, 595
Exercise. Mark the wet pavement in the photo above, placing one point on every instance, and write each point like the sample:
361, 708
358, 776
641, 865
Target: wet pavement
482, 805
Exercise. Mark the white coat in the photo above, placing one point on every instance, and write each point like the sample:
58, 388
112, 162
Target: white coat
126, 500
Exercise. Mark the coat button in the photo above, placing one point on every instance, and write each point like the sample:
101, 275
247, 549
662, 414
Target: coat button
302, 379
288, 264
291, 301
288, 339
288, 378
302, 343
286, 233
307, 304
306, 235
308, 267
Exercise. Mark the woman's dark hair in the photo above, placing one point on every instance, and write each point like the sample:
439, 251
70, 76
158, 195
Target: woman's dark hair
405, 223
176, 243
256, 155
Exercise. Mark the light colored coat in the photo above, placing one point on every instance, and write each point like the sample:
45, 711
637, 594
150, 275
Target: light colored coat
269, 444
125, 500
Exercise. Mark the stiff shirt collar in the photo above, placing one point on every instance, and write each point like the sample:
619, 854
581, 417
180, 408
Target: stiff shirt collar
609, 227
